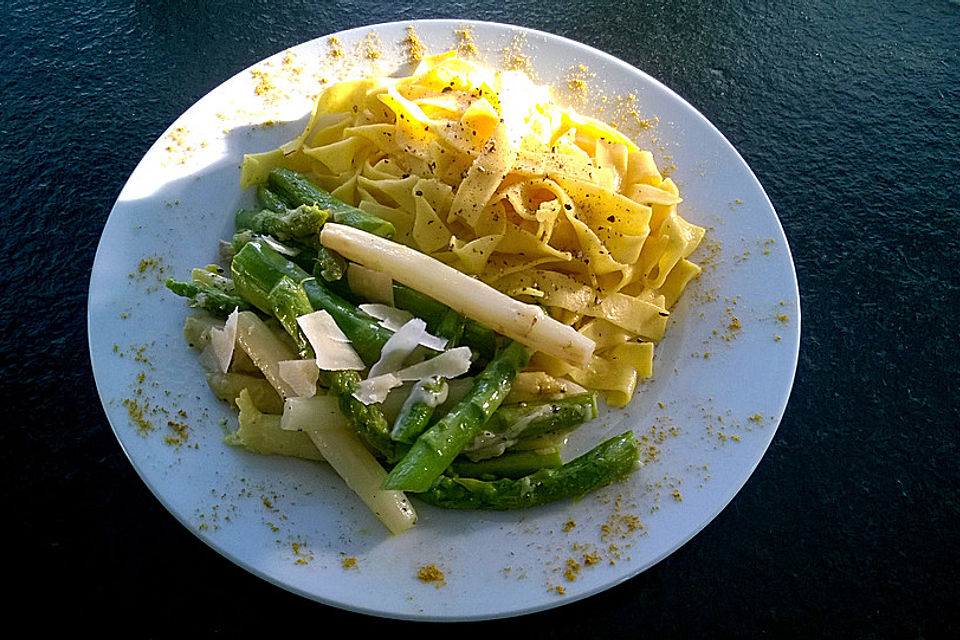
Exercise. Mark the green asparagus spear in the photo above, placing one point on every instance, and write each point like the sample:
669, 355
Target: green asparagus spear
444, 321
240, 238
599, 467
480, 338
301, 224
322, 261
319, 260
513, 464
419, 304
202, 296
329, 265
418, 409
436, 447
289, 302
268, 199
368, 420
326, 264
212, 275
256, 269
296, 189
512, 422
365, 333
451, 327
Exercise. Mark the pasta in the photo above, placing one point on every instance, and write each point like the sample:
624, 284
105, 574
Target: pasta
485, 172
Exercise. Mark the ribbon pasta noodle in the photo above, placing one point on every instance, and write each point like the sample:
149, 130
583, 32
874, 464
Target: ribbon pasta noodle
483, 171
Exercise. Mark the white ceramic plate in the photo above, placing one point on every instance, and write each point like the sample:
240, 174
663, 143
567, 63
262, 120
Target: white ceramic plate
723, 374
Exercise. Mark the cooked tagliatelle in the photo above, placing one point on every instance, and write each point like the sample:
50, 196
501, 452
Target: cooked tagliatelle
485, 172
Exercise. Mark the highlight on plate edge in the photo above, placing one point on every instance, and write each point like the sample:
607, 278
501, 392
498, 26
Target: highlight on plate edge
444, 275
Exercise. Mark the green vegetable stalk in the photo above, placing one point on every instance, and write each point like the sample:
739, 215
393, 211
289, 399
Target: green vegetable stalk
319, 261
368, 420
513, 422
257, 268
445, 322
269, 200
329, 265
316, 260
295, 189
201, 295
437, 447
302, 224
599, 467
289, 302
417, 411
513, 464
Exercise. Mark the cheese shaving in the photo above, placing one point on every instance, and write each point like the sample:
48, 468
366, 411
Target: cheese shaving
388, 317
301, 375
449, 364
399, 346
392, 319
331, 347
223, 340
375, 390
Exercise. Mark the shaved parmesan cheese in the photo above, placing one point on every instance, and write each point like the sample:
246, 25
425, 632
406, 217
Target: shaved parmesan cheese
448, 364
420, 394
375, 390
370, 284
399, 347
389, 317
431, 341
209, 360
301, 375
223, 340
331, 347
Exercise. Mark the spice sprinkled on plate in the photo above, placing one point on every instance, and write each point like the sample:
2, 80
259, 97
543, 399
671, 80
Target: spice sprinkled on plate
431, 574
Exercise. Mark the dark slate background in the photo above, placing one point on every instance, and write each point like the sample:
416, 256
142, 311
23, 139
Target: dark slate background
849, 113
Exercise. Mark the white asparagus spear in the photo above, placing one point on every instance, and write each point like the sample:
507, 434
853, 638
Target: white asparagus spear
525, 323
321, 419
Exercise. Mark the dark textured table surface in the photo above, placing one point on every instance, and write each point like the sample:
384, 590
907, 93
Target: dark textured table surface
849, 114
